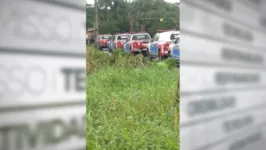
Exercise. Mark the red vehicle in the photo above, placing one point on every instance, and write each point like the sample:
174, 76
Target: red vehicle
118, 41
103, 41
137, 43
163, 39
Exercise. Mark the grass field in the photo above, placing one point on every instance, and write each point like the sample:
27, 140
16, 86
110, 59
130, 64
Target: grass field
132, 103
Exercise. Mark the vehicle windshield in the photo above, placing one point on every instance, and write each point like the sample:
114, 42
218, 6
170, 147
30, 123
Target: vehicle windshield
141, 37
174, 36
177, 40
106, 37
122, 37
113, 38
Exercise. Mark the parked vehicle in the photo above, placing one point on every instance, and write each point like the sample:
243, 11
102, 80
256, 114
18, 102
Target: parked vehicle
103, 41
174, 49
109, 43
137, 43
163, 39
118, 41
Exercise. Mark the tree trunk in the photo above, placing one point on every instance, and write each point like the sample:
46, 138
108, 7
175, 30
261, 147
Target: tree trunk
131, 26
142, 28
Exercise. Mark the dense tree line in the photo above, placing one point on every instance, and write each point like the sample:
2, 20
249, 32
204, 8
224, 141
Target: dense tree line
139, 15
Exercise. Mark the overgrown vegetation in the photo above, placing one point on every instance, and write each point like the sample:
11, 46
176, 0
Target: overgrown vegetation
140, 15
132, 103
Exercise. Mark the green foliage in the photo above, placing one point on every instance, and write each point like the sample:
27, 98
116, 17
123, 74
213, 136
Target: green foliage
171, 63
98, 60
89, 17
131, 103
135, 16
155, 9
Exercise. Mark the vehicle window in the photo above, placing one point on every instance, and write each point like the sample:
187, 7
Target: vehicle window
155, 38
113, 37
105, 36
177, 40
174, 36
122, 37
141, 37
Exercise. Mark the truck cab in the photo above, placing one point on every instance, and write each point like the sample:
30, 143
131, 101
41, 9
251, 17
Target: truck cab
137, 43
118, 41
103, 41
163, 39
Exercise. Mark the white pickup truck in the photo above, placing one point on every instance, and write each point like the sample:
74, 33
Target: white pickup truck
174, 48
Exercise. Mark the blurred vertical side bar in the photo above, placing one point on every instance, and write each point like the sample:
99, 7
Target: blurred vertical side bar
42, 75
223, 75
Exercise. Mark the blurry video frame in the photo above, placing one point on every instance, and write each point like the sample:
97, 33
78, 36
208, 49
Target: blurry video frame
222, 75
132, 74
42, 75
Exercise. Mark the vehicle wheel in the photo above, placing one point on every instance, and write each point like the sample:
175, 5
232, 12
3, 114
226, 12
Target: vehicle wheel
148, 55
99, 47
178, 64
145, 53
135, 53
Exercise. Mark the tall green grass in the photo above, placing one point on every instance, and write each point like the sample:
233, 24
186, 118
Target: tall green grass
131, 103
